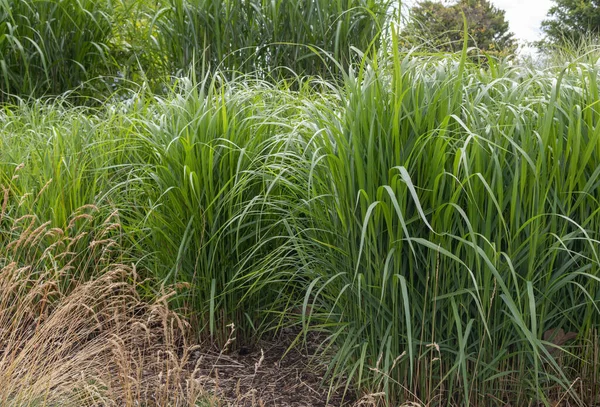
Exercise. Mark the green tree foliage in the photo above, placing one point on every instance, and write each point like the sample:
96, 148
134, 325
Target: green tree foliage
571, 21
440, 27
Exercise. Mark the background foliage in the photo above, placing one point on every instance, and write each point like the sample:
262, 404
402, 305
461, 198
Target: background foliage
439, 27
303, 37
571, 21
52, 46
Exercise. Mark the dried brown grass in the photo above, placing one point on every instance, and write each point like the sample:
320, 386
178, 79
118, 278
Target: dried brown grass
84, 337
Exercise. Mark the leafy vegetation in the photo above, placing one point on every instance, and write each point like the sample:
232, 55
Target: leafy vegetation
438, 27
257, 35
571, 22
432, 221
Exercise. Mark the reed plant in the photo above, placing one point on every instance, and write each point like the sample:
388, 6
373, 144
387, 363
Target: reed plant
97, 47
453, 213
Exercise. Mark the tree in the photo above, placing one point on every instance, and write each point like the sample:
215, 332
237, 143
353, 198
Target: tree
440, 27
571, 21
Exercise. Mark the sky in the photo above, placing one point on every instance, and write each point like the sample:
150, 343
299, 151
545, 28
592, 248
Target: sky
525, 16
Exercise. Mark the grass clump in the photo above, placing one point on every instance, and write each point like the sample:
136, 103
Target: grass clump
454, 210
95, 48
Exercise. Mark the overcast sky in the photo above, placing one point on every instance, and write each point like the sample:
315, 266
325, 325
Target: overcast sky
525, 16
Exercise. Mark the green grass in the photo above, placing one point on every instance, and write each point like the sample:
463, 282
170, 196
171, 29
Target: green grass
430, 218
49, 47
94, 48
259, 36
458, 209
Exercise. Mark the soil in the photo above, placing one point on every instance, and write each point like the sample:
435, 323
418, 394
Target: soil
268, 374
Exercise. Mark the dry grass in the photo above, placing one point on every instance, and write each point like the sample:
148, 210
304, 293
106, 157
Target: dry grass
87, 341
96, 343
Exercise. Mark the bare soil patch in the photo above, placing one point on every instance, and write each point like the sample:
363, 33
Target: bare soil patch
269, 374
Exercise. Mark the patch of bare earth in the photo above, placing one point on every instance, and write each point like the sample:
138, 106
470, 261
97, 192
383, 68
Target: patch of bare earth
270, 374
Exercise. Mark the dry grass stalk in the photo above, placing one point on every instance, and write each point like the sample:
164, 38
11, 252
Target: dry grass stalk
90, 342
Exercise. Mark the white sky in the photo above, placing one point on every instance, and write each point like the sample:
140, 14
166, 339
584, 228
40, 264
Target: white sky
525, 16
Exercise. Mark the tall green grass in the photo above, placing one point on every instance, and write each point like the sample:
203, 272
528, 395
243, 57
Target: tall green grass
215, 197
49, 47
190, 177
272, 38
432, 220
455, 214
